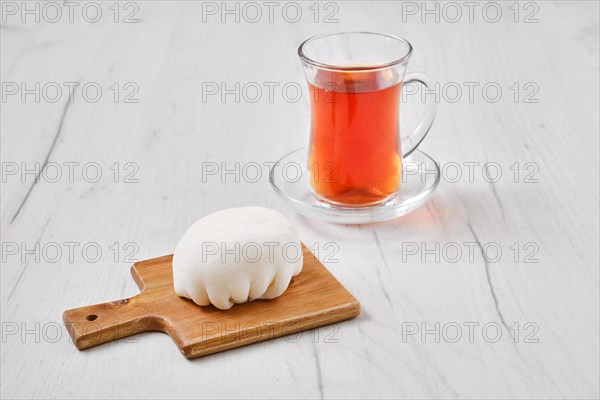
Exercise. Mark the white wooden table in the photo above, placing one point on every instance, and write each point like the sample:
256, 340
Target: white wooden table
438, 319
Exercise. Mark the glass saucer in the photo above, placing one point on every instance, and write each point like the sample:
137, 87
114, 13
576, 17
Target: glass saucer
290, 179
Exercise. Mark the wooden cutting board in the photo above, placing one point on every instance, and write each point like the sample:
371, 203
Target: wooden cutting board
314, 298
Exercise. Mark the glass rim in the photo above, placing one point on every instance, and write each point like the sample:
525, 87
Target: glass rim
318, 64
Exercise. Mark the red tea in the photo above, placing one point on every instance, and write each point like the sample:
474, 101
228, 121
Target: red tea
355, 156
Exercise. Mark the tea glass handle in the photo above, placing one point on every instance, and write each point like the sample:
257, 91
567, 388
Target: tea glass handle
410, 142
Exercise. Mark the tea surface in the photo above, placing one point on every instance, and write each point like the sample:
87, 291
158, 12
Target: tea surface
355, 156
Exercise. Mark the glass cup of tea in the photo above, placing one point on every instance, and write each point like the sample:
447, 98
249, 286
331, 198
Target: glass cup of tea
355, 82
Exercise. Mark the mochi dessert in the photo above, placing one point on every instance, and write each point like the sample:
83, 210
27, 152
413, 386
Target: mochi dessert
236, 255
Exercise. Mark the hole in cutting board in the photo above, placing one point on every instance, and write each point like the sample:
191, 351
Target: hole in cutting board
91, 317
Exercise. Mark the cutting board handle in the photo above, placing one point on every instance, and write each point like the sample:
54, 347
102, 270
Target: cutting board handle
93, 325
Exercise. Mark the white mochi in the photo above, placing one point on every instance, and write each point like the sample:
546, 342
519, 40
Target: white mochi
236, 255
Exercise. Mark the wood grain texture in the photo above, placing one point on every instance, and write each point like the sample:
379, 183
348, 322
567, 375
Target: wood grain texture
314, 298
